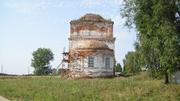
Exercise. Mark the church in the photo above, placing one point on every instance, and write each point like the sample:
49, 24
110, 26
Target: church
91, 47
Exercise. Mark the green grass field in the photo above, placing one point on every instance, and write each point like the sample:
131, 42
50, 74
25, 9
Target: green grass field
137, 88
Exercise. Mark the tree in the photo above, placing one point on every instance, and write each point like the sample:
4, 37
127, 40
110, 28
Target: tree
118, 67
158, 24
41, 61
131, 63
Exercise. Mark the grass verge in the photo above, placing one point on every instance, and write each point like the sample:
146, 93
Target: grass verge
47, 88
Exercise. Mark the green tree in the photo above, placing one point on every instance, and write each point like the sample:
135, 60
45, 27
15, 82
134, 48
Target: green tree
131, 63
41, 61
118, 67
158, 24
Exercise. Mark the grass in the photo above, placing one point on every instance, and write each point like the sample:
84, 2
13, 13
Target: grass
137, 88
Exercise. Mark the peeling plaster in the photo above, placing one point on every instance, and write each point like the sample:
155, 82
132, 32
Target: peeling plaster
91, 35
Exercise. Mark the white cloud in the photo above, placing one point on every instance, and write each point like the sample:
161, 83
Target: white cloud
117, 2
118, 20
92, 3
34, 7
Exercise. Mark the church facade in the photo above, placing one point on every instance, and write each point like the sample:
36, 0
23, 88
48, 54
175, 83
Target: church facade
91, 47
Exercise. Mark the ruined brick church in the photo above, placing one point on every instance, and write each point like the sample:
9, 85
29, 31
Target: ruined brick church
91, 47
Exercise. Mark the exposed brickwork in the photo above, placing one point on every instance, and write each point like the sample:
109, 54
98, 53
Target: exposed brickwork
92, 22
90, 35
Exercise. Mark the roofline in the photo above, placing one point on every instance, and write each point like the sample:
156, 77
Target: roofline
84, 21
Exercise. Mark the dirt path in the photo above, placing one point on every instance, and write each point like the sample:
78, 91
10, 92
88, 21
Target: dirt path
3, 99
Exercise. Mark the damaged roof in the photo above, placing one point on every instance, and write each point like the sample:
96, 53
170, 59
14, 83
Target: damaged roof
90, 17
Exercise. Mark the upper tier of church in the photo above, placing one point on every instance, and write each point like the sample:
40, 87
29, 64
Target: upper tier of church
91, 26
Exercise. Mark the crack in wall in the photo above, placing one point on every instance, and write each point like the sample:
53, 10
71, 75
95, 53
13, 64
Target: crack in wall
91, 35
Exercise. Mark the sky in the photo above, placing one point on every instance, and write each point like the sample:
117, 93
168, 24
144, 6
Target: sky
26, 25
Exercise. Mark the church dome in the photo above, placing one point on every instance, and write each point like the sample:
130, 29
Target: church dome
92, 17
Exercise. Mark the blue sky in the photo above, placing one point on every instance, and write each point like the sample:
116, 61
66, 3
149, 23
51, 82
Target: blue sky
26, 25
